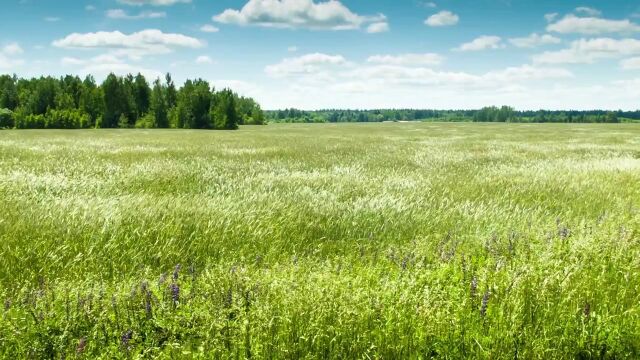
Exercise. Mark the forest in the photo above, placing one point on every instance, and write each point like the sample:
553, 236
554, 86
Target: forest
121, 102
486, 114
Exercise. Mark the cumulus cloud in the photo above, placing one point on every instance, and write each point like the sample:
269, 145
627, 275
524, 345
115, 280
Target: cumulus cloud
535, 40
482, 43
588, 11
308, 14
572, 24
428, 59
385, 72
208, 28
204, 59
378, 27
8, 55
551, 17
631, 64
121, 14
102, 65
12, 49
52, 19
149, 41
306, 64
443, 18
153, 2
588, 51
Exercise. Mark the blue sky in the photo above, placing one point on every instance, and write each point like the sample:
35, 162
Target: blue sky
345, 54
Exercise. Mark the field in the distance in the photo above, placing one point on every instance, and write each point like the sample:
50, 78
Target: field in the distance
322, 241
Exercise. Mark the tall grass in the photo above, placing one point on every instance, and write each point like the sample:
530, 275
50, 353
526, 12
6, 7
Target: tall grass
322, 241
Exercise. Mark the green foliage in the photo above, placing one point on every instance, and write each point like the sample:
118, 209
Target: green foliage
6, 119
146, 122
159, 106
224, 112
487, 114
381, 241
118, 102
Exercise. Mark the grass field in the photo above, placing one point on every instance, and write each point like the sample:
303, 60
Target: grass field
322, 241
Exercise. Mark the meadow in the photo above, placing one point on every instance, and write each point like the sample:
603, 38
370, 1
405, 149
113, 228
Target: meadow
328, 241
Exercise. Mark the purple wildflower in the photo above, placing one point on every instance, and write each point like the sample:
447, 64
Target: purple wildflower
175, 292
126, 338
474, 287
485, 304
176, 272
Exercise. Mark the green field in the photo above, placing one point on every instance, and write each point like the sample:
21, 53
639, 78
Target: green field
364, 241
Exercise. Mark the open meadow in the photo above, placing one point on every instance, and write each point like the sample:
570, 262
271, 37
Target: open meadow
388, 241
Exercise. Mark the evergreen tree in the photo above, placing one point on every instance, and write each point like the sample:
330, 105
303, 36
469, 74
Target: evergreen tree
159, 105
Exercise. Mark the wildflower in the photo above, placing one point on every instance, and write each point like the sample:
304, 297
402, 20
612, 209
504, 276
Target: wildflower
485, 304
175, 292
126, 338
587, 310
82, 344
176, 272
564, 232
162, 279
474, 287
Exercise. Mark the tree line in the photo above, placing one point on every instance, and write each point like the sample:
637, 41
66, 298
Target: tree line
487, 114
128, 101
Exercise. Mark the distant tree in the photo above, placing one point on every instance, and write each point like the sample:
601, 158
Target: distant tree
201, 104
113, 101
6, 119
91, 100
171, 92
159, 105
141, 95
8, 92
224, 112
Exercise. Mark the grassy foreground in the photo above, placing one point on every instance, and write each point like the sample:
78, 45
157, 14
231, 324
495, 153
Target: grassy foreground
322, 241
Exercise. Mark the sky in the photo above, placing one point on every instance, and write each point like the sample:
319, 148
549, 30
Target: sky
356, 54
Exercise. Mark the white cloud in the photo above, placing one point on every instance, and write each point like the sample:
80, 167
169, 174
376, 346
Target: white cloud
306, 64
292, 49
8, 55
208, 28
428, 59
443, 18
9, 63
153, 2
430, 4
551, 17
89, 8
631, 64
203, 59
100, 66
121, 14
572, 24
482, 43
378, 27
535, 40
329, 15
52, 19
588, 51
240, 87
149, 41
12, 49
588, 11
